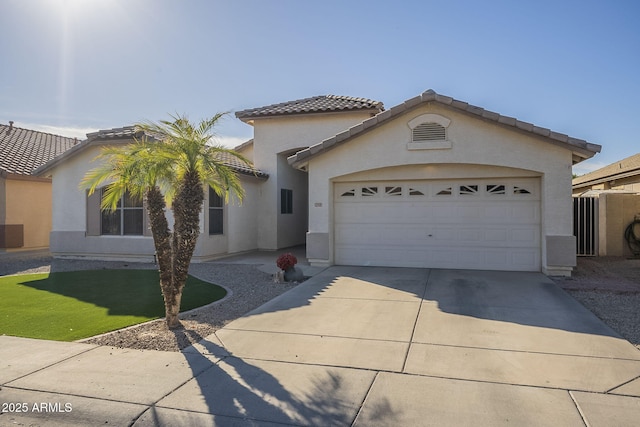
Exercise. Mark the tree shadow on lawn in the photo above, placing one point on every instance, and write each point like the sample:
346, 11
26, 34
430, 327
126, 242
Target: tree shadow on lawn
124, 292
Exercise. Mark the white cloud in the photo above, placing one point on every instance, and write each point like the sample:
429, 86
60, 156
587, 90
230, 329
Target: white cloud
68, 131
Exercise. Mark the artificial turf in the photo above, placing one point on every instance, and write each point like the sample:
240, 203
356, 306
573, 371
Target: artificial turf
74, 305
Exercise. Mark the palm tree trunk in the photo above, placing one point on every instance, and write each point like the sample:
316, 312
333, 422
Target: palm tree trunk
162, 240
186, 209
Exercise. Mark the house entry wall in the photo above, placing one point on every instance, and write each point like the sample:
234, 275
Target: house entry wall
489, 224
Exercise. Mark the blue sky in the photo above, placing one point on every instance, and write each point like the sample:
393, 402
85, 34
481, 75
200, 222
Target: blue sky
74, 66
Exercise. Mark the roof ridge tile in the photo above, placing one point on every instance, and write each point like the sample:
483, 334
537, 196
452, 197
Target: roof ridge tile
314, 104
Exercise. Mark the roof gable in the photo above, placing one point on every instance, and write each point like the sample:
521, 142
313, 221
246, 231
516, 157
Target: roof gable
314, 104
23, 150
582, 149
621, 169
129, 134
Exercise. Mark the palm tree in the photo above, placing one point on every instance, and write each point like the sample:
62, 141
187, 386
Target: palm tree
170, 166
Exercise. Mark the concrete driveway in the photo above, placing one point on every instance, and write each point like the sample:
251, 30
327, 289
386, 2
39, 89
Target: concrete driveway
357, 346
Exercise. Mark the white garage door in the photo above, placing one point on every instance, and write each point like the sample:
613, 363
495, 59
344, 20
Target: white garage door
488, 224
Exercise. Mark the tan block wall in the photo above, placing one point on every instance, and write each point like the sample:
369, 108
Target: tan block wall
28, 202
616, 212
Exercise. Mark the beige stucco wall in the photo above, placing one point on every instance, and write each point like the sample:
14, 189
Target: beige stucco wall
483, 147
240, 224
615, 213
69, 229
69, 237
3, 199
28, 202
282, 135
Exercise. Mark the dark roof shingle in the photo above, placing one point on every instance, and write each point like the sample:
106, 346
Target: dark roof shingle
314, 104
23, 150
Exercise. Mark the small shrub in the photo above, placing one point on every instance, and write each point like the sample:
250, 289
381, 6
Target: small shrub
286, 261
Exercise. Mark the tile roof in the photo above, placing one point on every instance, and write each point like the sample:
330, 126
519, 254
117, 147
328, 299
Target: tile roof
241, 166
582, 149
124, 132
315, 104
621, 169
23, 150
129, 132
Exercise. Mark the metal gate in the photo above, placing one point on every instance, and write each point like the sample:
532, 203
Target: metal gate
585, 225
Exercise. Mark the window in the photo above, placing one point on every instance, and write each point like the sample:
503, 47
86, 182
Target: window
468, 189
369, 191
520, 190
216, 213
125, 220
286, 201
393, 191
445, 192
496, 189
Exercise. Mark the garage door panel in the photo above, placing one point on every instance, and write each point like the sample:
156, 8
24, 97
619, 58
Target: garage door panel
461, 258
476, 228
399, 236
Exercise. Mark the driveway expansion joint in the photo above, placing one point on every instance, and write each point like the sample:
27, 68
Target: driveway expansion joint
93, 347
530, 352
582, 415
623, 384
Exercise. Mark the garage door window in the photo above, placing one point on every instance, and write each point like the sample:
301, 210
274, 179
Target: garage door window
437, 191
520, 190
496, 189
369, 191
468, 189
393, 191
445, 192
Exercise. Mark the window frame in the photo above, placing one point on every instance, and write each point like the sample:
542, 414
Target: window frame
215, 205
286, 201
124, 206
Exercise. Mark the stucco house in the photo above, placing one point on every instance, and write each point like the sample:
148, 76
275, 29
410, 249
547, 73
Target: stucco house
613, 194
623, 175
25, 200
432, 182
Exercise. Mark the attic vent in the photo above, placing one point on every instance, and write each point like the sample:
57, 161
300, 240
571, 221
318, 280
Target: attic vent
429, 132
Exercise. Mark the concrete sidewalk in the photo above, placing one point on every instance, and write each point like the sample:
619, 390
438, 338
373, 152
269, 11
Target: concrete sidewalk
351, 346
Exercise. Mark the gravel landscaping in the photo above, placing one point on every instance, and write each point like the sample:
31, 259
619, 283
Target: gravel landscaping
608, 286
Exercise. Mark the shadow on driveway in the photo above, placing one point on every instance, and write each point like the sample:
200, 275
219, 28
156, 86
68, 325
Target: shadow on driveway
262, 391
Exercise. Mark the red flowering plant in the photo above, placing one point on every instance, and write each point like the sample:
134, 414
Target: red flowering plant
286, 261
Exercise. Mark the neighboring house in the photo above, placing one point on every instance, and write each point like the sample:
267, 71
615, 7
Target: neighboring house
616, 190
25, 200
433, 182
623, 175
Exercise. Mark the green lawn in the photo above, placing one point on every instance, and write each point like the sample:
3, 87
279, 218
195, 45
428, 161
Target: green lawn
80, 304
